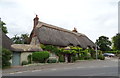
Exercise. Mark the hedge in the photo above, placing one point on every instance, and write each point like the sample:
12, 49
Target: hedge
40, 57
115, 52
6, 56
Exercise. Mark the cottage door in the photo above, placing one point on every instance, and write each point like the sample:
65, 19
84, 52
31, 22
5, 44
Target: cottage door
16, 59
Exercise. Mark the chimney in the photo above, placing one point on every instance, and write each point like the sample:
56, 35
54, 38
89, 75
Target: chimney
75, 30
35, 24
35, 21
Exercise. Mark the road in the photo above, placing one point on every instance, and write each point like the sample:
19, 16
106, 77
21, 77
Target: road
108, 67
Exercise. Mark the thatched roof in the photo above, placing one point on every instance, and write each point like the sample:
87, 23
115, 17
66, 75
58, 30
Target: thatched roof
25, 47
6, 41
53, 35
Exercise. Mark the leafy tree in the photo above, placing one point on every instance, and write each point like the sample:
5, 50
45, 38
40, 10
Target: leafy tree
16, 39
23, 39
4, 29
116, 42
103, 43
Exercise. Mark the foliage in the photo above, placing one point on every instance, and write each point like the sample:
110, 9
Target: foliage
114, 52
104, 43
116, 42
51, 48
53, 60
23, 39
76, 48
4, 28
69, 52
74, 58
24, 62
6, 56
61, 58
40, 56
29, 58
73, 54
101, 57
42, 46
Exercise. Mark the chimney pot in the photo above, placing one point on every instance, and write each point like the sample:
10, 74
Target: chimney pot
36, 19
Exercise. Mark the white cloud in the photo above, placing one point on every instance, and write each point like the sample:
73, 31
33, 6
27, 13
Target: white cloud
91, 17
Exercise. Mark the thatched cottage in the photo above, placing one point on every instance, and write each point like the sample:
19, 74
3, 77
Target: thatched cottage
47, 34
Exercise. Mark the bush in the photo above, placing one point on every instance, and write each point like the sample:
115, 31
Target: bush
24, 62
81, 58
61, 58
6, 56
52, 60
87, 57
29, 58
40, 57
74, 58
101, 57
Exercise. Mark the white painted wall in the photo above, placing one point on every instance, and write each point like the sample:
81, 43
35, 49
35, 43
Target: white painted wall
24, 56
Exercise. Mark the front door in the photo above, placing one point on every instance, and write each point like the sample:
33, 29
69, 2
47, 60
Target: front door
16, 59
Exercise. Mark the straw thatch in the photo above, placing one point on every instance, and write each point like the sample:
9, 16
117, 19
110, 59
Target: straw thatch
53, 35
25, 48
6, 41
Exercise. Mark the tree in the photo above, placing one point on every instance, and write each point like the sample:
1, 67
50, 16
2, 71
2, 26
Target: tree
103, 43
116, 42
23, 39
16, 39
4, 29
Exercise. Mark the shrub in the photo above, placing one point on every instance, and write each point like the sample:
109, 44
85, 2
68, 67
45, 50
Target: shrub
87, 57
114, 52
61, 58
6, 56
24, 62
52, 60
81, 56
74, 58
40, 57
101, 57
51, 48
29, 58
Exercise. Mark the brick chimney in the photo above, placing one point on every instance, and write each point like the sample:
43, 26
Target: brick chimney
75, 30
36, 19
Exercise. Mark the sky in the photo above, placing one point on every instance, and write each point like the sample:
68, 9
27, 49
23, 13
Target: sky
94, 18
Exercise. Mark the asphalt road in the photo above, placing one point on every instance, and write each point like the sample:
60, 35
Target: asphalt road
108, 67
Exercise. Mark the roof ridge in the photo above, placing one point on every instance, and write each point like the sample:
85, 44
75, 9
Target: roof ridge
40, 24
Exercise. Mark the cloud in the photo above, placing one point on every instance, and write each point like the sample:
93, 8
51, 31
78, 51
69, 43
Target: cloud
91, 17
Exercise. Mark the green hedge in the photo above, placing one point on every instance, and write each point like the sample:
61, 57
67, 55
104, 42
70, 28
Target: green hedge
115, 52
40, 57
6, 56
